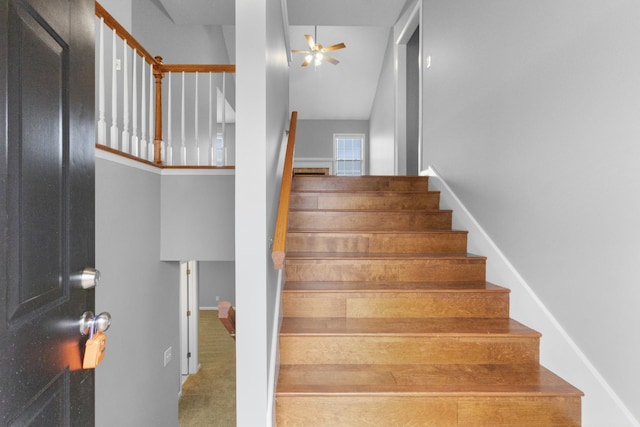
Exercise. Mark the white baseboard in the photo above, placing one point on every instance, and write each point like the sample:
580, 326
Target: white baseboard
275, 354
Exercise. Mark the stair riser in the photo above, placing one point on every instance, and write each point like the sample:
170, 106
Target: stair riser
405, 243
428, 201
359, 411
303, 350
362, 220
382, 270
365, 183
389, 305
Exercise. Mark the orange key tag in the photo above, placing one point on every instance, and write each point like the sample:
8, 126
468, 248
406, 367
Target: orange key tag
94, 350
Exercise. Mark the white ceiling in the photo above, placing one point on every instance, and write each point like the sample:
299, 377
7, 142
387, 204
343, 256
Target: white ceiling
343, 91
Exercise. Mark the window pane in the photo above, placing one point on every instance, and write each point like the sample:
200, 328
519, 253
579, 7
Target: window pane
348, 157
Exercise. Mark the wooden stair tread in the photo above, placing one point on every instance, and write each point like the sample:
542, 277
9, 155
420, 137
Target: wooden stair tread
458, 326
359, 183
372, 193
427, 379
365, 200
405, 212
373, 232
294, 256
395, 287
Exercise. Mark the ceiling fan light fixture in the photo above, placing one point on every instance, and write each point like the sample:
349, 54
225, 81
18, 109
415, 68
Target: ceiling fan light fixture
316, 53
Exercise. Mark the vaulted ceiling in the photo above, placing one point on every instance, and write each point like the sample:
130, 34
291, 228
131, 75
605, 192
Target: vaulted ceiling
343, 91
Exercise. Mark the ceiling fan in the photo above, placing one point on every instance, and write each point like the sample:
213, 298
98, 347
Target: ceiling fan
317, 53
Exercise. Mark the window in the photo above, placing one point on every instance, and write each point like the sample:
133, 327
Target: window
220, 151
348, 154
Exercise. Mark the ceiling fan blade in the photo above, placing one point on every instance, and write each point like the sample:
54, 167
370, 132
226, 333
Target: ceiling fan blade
300, 51
330, 59
334, 47
305, 63
310, 41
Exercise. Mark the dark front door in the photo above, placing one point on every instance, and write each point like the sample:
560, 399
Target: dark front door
46, 209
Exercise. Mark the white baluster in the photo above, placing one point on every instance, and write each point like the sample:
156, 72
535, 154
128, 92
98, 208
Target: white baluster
169, 153
151, 151
134, 137
212, 147
196, 123
224, 119
183, 148
102, 124
114, 97
143, 114
125, 120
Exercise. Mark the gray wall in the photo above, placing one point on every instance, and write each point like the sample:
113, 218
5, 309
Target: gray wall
531, 116
314, 138
141, 293
261, 118
180, 44
122, 10
197, 217
216, 279
382, 119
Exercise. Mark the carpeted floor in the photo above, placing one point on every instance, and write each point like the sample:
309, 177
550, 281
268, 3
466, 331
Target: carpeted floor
209, 397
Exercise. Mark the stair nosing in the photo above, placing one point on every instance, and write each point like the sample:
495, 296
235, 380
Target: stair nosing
350, 328
367, 192
294, 256
324, 211
554, 385
374, 231
493, 288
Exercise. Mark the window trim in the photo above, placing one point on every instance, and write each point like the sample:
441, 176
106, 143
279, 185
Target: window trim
361, 137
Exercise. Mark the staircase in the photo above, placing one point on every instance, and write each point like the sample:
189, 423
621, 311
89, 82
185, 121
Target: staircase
387, 321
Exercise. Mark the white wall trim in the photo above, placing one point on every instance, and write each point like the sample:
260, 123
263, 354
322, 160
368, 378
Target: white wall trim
285, 29
314, 162
105, 155
549, 326
403, 30
275, 354
191, 172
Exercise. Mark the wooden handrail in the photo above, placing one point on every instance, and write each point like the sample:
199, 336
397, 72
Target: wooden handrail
201, 68
279, 250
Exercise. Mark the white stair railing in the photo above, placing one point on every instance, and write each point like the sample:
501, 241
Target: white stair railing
130, 66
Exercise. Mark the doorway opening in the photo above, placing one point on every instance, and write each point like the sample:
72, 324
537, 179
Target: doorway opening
408, 123
413, 102
189, 314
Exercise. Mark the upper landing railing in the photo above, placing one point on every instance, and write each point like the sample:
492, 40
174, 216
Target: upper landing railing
135, 80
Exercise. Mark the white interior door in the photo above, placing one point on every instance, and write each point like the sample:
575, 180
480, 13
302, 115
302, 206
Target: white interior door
189, 313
